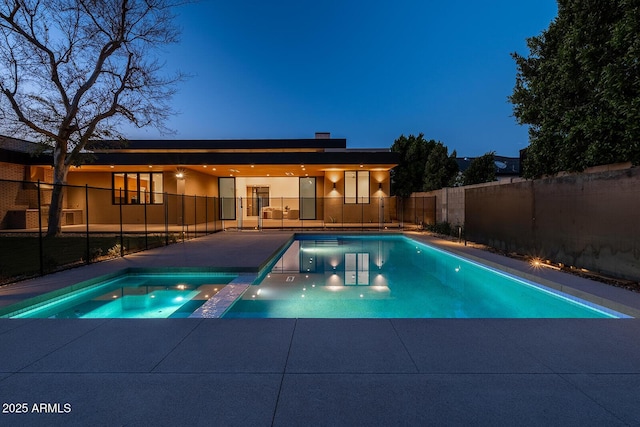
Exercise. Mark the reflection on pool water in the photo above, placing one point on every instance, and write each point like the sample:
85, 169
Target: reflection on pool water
391, 277
154, 295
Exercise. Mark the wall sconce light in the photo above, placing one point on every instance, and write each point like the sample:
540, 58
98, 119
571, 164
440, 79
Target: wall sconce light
379, 186
180, 174
334, 185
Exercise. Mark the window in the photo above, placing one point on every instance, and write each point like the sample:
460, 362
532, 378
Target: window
307, 197
356, 268
132, 188
356, 187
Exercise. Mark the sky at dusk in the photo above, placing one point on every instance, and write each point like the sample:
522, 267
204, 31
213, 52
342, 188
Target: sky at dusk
367, 71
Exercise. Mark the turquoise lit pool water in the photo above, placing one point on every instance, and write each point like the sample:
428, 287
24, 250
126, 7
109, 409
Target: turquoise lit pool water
133, 295
395, 277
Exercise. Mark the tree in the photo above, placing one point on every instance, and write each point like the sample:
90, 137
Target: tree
408, 176
579, 88
441, 169
481, 169
71, 71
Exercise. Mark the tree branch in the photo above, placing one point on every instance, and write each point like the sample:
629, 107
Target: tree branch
22, 119
33, 40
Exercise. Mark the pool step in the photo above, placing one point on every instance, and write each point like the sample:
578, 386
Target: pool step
327, 242
218, 304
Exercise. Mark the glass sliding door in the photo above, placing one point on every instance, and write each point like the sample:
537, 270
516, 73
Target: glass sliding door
308, 198
227, 191
257, 199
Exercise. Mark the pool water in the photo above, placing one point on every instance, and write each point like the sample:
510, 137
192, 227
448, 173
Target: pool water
395, 277
147, 295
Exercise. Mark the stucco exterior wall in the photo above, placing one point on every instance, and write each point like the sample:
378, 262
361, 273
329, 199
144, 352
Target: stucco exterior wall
336, 211
192, 200
178, 210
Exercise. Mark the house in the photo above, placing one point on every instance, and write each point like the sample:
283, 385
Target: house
244, 182
506, 169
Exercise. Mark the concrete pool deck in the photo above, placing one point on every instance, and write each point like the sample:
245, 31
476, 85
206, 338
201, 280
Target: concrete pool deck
262, 372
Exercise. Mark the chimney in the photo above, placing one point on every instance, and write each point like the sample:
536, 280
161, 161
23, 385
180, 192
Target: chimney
323, 135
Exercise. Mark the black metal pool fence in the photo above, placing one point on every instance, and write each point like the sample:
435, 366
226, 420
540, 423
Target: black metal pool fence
100, 223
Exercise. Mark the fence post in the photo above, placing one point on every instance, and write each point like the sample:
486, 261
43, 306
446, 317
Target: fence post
40, 248
195, 216
216, 212
182, 214
259, 200
206, 215
166, 219
86, 215
121, 239
146, 233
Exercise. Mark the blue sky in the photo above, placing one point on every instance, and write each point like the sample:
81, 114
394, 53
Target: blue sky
367, 71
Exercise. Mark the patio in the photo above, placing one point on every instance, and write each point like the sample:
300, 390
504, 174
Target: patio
318, 371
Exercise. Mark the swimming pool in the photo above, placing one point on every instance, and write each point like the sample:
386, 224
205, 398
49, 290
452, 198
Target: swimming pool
131, 295
320, 276
394, 276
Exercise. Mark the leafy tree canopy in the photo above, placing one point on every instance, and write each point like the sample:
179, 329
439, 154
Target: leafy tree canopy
579, 88
424, 165
408, 176
441, 169
481, 169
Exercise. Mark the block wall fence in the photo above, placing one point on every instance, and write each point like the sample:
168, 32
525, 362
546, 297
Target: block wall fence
589, 220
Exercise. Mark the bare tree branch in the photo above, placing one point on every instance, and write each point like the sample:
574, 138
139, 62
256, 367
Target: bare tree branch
72, 70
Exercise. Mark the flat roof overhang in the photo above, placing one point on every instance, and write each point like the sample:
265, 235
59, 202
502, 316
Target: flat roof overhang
325, 158
19, 157
232, 164
204, 145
